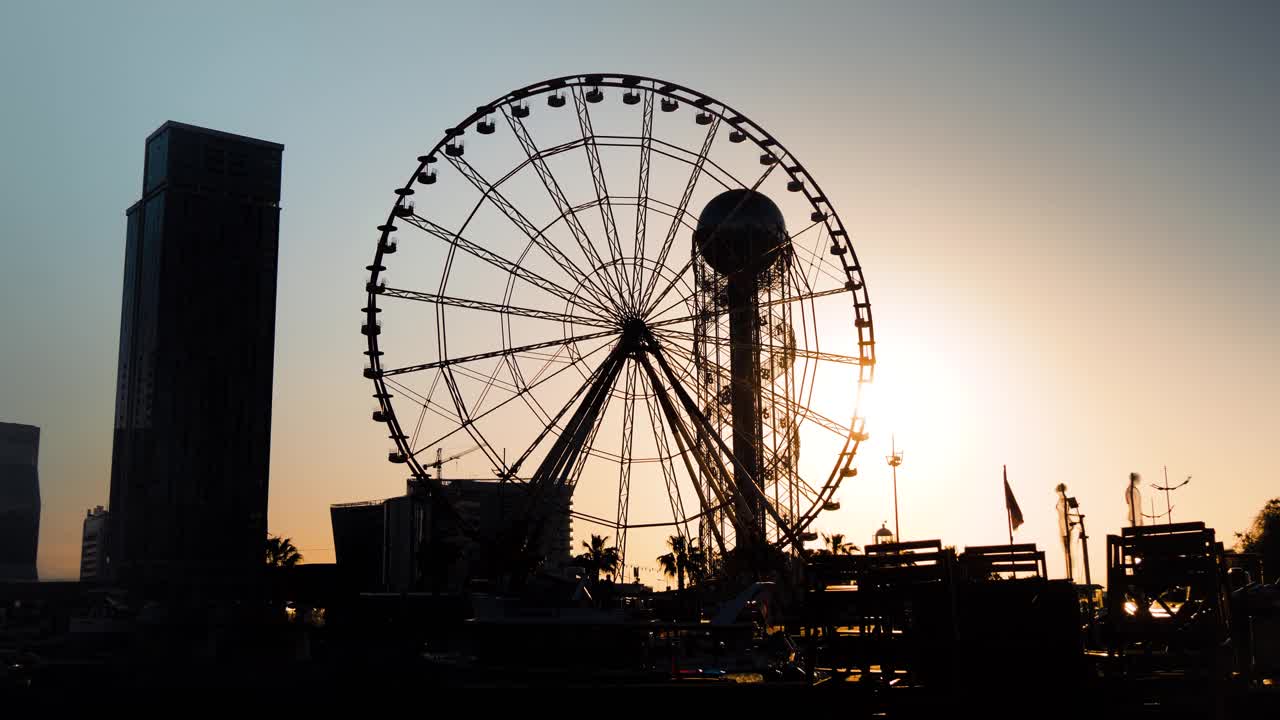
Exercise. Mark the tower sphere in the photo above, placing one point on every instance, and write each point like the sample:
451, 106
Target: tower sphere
740, 231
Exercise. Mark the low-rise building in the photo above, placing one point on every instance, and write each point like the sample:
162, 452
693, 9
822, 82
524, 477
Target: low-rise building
409, 543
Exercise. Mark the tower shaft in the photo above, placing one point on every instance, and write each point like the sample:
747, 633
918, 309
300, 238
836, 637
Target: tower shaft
748, 433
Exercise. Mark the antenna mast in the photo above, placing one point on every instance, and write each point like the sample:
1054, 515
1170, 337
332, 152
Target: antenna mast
894, 458
1167, 488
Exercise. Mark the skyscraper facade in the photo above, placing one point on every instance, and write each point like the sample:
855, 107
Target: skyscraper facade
189, 471
93, 546
19, 501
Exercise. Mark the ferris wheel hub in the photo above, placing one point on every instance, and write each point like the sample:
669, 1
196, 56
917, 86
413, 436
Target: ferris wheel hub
635, 334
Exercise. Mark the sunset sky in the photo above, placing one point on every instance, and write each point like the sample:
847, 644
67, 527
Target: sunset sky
1067, 218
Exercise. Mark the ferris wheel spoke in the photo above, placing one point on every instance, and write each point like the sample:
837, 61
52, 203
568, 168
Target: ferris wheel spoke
817, 261
491, 193
497, 353
688, 453
658, 321
841, 430
477, 251
488, 383
650, 305
818, 266
740, 477
796, 351
425, 401
530, 400
683, 300
524, 391
687, 297
682, 208
718, 174
674, 496
498, 308
602, 190
767, 453
710, 461
772, 460
517, 376
518, 128
460, 405
589, 391
422, 416
667, 467
655, 318
642, 195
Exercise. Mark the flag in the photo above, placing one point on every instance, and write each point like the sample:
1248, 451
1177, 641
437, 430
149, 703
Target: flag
1011, 504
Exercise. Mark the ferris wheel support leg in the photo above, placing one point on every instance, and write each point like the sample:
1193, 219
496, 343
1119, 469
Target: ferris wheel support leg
713, 466
557, 467
668, 471
692, 409
624, 468
685, 445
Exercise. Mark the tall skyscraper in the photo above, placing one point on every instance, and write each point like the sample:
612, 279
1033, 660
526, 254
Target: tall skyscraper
197, 339
19, 501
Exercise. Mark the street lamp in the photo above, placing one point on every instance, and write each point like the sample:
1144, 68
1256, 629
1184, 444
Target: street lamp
894, 458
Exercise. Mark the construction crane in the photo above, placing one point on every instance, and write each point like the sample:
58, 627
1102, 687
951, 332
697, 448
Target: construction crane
441, 460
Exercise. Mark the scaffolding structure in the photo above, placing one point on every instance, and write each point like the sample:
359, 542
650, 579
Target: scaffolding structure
1167, 595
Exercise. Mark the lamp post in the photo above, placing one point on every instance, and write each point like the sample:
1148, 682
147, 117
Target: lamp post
1072, 504
894, 458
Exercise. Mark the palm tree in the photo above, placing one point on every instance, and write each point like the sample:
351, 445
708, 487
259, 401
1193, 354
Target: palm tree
837, 546
685, 558
698, 564
598, 558
281, 553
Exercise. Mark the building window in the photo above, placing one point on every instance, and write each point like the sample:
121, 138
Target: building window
157, 160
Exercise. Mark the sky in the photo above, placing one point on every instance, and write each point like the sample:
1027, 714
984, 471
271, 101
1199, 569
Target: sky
1066, 215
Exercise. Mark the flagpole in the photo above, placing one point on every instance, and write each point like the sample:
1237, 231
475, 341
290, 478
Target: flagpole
1008, 511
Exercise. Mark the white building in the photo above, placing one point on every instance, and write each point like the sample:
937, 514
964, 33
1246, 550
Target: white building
93, 546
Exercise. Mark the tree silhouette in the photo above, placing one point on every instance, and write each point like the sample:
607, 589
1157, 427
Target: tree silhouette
685, 559
280, 552
1263, 537
835, 545
598, 558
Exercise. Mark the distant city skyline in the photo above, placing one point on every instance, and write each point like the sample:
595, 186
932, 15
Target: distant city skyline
1066, 217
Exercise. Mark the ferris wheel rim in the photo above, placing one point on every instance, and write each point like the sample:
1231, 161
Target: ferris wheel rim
754, 133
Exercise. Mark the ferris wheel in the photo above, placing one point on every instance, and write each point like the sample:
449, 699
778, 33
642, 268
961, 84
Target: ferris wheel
625, 292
